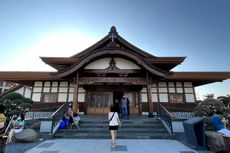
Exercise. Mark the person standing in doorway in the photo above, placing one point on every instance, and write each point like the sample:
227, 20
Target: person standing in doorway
114, 122
128, 102
124, 112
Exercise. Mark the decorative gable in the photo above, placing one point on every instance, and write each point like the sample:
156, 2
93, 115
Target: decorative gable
112, 63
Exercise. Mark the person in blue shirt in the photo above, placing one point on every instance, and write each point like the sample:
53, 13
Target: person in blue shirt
217, 122
64, 122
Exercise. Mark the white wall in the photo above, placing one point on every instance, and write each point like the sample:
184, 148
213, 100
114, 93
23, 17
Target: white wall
99, 64
125, 64
104, 63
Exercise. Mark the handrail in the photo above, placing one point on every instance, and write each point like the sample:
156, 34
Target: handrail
57, 116
165, 116
166, 110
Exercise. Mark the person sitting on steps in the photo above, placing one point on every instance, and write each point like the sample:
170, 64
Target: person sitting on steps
18, 127
218, 123
2, 120
76, 120
66, 121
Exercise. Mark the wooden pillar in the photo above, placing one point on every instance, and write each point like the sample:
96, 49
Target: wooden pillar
75, 97
149, 96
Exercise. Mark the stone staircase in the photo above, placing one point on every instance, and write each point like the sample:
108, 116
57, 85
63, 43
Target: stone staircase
96, 127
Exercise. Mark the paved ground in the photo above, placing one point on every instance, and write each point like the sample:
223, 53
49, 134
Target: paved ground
20, 147
103, 146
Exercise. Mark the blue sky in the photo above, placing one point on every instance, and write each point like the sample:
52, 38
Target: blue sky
197, 29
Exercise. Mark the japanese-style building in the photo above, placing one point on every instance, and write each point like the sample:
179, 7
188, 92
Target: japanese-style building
101, 74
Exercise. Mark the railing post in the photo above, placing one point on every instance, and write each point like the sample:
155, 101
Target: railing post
52, 126
158, 112
56, 117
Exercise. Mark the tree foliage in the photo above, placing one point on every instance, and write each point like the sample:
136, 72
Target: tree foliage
210, 95
208, 107
15, 103
225, 100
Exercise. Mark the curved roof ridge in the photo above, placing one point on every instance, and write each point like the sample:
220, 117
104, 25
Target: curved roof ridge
113, 35
87, 58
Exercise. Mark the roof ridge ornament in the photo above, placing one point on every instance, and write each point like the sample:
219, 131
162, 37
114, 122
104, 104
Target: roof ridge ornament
113, 33
113, 36
113, 30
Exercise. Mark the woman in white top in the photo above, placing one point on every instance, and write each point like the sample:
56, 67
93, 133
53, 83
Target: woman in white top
18, 127
114, 122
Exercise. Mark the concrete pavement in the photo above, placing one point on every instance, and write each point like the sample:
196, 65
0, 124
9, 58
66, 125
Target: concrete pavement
104, 146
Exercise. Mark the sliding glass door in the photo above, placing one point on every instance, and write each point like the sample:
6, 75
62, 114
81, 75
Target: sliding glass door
99, 102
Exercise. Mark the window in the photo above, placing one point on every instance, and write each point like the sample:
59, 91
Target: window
49, 97
63, 90
176, 98
100, 99
37, 91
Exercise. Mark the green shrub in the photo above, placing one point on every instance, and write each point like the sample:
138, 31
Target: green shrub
208, 107
15, 103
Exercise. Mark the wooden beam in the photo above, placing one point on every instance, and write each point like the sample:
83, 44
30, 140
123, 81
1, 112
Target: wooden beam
75, 98
149, 96
131, 80
108, 53
118, 71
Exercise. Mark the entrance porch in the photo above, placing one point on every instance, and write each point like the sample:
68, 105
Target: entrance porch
100, 98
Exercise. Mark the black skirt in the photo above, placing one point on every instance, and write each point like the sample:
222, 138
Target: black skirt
113, 127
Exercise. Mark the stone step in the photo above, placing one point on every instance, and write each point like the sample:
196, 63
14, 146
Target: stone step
121, 130
119, 136
125, 121
154, 126
137, 127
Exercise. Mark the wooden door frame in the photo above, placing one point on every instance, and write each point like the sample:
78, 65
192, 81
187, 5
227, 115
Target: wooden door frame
105, 110
135, 93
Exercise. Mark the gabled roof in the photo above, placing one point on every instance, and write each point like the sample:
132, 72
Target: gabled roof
102, 53
59, 63
113, 45
113, 34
